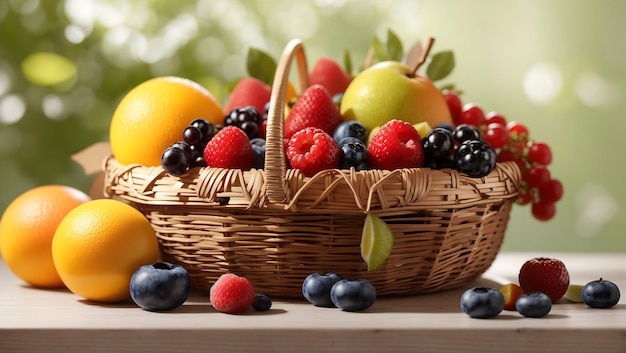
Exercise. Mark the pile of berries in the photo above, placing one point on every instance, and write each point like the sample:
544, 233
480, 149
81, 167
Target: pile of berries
317, 138
512, 143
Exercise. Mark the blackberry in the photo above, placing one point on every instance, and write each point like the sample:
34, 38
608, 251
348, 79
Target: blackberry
466, 132
246, 118
475, 158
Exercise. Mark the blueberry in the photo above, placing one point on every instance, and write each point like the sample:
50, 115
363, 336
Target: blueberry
600, 294
533, 304
482, 302
466, 132
447, 126
353, 154
261, 302
475, 158
353, 295
316, 288
350, 128
258, 147
161, 286
348, 140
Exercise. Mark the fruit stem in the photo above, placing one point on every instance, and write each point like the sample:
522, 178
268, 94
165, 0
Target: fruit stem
429, 44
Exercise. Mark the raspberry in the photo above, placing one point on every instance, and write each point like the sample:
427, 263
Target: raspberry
232, 294
230, 149
312, 150
545, 275
396, 145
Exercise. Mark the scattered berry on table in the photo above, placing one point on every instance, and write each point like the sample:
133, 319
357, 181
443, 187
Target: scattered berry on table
161, 286
229, 148
353, 295
546, 275
600, 294
511, 293
396, 145
314, 108
232, 294
316, 288
261, 302
533, 304
482, 302
312, 150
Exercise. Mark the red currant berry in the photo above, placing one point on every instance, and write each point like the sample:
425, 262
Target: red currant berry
454, 103
471, 114
495, 118
524, 197
543, 211
539, 153
496, 135
537, 176
509, 156
518, 131
552, 191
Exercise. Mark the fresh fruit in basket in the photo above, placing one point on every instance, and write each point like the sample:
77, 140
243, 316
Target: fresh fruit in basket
328, 73
312, 150
546, 275
160, 286
396, 145
314, 108
249, 91
229, 148
99, 245
27, 227
153, 115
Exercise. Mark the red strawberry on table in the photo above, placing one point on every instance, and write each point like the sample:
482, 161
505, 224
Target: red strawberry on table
232, 294
396, 145
230, 148
314, 108
329, 74
312, 150
545, 275
249, 91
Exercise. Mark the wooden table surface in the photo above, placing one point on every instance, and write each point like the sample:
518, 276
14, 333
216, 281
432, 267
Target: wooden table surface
35, 320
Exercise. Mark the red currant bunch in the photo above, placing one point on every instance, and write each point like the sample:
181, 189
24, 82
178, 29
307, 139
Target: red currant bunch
512, 142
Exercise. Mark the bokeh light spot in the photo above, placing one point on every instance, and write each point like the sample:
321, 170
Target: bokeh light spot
595, 92
12, 109
48, 69
543, 83
596, 207
53, 107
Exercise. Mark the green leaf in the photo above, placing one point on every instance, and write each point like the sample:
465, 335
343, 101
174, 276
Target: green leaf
441, 65
380, 50
261, 65
347, 61
394, 46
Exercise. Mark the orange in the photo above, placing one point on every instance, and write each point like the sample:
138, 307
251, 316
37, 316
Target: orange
99, 245
154, 114
511, 293
26, 230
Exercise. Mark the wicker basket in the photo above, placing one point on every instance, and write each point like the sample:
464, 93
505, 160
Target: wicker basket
276, 226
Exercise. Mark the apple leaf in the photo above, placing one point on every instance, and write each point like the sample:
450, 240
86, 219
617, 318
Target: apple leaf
261, 65
394, 46
441, 65
380, 50
347, 62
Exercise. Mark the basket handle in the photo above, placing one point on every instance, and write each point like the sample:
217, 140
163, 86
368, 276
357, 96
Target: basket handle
275, 164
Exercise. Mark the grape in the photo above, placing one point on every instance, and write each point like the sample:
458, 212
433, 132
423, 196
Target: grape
192, 135
246, 118
438, 145
175, 160
466, 132
205, 127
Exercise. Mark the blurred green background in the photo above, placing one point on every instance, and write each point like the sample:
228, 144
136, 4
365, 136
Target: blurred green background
559, 66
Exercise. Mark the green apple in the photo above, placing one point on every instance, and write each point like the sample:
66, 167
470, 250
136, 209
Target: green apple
391, 90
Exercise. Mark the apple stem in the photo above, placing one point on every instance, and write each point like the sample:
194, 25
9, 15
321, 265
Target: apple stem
422, 59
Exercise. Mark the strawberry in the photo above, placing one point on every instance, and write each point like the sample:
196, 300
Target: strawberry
311, 150
329, 74
230, 148
396, 145
249, 91
232, 294
545, 275
314, 108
